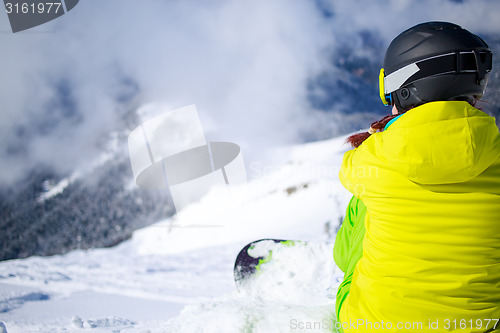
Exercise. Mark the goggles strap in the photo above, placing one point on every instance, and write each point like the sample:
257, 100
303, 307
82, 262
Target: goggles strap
457, 62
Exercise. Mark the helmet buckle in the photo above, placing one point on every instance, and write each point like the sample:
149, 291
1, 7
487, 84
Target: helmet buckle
483, 64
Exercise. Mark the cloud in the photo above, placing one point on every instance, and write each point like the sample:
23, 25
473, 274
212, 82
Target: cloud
66, 85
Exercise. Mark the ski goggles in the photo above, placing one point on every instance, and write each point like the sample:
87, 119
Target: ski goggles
479, 62
386, 98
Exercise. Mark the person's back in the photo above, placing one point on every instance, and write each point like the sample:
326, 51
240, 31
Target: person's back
431, 186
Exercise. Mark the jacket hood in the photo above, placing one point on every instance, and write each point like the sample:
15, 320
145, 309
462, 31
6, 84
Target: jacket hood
439, 143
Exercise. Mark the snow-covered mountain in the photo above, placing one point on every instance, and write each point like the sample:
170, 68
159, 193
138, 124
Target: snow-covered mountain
97, 205
176, 275
94, 206
262, 74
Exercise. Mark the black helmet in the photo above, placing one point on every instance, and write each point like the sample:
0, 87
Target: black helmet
434, 61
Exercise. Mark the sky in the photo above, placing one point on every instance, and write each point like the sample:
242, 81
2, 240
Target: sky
66, 86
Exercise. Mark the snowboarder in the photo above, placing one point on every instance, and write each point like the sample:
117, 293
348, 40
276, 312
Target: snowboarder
420, 243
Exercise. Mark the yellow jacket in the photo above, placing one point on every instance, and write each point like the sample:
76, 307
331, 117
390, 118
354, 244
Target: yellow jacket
431, 252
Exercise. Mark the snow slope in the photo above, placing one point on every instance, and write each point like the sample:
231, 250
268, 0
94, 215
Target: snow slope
176, 275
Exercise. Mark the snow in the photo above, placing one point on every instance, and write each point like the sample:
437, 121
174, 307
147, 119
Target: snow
305, 268
51, 189
177, 275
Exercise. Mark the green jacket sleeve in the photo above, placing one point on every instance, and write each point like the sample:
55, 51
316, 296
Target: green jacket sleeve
348, 247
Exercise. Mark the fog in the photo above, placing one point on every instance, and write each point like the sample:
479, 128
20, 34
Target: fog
66, 86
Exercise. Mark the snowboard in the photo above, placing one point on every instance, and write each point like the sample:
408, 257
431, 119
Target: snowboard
280, 268
290, 281
253, 255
